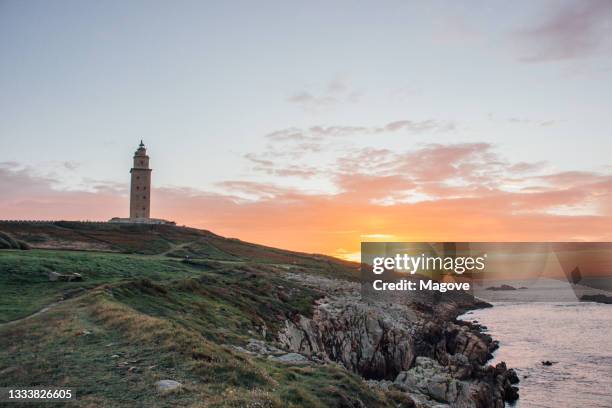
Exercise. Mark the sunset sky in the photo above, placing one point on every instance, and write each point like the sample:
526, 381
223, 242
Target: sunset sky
314, 125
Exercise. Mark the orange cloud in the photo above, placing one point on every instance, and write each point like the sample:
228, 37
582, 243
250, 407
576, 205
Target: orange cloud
435, 193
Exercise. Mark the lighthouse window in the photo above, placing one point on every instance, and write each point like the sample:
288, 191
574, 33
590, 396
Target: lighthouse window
142, 162
137, 177
137, 188
144, 196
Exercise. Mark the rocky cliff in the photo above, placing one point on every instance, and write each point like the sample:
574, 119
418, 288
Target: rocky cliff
419, 349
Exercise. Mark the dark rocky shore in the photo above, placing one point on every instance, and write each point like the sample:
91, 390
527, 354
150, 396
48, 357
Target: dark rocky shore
597, 298
419, 349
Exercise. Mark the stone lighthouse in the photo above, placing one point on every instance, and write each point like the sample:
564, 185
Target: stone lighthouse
140, 192
140, 187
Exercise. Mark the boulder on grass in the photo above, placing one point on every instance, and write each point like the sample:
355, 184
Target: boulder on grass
167, 385
69, 277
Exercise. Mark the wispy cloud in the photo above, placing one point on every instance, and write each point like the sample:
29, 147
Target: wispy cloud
310, 101
275, 168
290, 152
337, 91
571, 30
25, 194
322, 132
525, 121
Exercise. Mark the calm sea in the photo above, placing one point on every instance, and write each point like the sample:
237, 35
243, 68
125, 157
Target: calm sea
577, 337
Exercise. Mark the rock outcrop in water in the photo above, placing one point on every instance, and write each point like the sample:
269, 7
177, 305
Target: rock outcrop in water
419, 349
599, 298
502, 287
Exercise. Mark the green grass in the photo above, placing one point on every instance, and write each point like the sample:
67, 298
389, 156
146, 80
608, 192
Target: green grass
226, 305
165, 315
54, 351
25, 286
176, 242
202, 249
167, 318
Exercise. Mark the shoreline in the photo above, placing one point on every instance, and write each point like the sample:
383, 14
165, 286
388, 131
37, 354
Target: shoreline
419, 348
551, 372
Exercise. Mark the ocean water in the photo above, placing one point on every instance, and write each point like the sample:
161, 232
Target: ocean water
577, 336
541, 290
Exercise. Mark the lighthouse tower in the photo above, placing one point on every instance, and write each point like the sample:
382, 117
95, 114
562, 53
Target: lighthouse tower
140, 192
140, 188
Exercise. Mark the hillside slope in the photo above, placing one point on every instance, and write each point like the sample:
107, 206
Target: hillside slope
171, 241
110, 310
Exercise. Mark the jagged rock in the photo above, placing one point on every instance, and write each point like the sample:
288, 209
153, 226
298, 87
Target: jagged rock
261, 347
290, 358
513, 377
501, 287
367, 339
428, 377
167, 385
242, 349
599, 298
460, 366
511, 393
437, 360
383, 385
461, 340
423, 401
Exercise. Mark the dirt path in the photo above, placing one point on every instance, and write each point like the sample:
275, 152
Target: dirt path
44, 309
174, 247
41, 311
54, 304
22, 319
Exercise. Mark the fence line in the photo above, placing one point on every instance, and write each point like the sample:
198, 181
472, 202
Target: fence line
50, 221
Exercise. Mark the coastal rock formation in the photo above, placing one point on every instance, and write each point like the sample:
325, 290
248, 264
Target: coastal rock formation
599, 298
362, 337
429, 380
291, 358
502, 287
421, 349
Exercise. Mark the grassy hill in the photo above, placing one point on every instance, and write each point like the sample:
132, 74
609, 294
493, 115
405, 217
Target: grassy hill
160, 302
153, 240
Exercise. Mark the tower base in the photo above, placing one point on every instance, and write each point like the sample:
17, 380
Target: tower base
155, 221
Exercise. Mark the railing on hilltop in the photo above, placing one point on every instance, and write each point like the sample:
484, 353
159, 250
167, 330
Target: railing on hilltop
51, 221
114, 221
